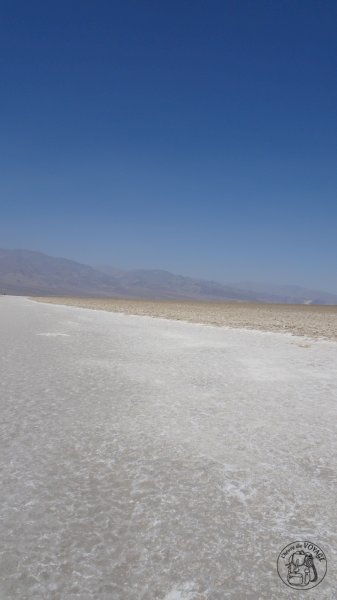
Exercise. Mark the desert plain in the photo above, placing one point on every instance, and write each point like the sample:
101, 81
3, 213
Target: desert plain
315, 321
150, 458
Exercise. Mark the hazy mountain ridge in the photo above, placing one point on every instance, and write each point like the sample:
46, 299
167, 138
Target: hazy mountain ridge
163, 284
26, 272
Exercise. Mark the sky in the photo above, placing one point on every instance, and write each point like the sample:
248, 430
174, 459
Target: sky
197, 137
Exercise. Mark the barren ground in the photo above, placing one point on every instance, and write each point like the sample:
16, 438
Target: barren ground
312, 321
154, 459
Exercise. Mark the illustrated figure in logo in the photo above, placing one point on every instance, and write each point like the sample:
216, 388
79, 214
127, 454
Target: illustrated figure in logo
301, 569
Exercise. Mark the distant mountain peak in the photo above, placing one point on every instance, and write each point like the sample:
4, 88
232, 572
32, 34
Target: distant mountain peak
29, 272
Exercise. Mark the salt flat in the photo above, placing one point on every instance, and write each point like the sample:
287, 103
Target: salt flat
300, 319
151, 459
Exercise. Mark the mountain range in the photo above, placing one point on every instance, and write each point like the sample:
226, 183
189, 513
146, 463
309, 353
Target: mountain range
26, 272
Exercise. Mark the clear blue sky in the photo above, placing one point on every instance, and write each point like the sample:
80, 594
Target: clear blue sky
198, 137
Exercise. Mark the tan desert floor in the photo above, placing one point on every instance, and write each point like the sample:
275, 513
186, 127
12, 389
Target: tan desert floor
311, 321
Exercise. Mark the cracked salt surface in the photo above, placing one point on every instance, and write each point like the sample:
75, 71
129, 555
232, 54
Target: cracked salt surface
145, 459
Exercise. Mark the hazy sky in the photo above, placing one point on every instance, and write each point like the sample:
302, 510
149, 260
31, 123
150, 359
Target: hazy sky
198, 137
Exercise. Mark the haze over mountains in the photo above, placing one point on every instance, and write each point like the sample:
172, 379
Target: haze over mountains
26, 272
